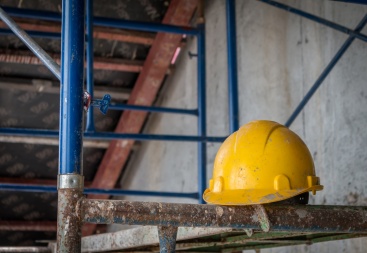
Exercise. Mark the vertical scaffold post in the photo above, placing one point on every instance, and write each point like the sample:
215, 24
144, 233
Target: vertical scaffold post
70, 179
167, 239
232, 66
90, 59
201, 103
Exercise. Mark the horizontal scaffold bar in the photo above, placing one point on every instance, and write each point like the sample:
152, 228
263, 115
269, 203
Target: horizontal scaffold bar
112, 192
36, 34
297, 218
111, 136
152, 109
106, 22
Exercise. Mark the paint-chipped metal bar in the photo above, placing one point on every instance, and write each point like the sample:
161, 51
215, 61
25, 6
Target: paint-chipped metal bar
105, 22
69, 220
325, 73
232, 66
111, 135
317, 19
202, 149
31, 44
114, 106
70, 179
167, 239
329, 219
112, 192
72, 82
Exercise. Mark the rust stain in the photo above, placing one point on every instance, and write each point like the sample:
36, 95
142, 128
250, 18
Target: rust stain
69, 220
167, 238
291, 218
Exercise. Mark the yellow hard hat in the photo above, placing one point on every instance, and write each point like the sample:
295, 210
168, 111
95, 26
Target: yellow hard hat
262, 162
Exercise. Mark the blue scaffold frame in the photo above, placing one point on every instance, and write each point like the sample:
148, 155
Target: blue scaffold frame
90, 132
72, 79
200, 112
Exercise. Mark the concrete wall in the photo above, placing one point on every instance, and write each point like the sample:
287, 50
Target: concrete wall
280, 55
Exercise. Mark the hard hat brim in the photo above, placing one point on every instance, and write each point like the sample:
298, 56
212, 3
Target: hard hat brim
253, 197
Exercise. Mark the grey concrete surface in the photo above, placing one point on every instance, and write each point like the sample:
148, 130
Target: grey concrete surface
280, 55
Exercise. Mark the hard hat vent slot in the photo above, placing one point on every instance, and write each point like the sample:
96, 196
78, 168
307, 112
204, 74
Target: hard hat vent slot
218, 184
281, 182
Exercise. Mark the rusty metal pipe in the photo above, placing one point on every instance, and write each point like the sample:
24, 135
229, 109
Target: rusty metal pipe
281, 218
167, 239
68, 220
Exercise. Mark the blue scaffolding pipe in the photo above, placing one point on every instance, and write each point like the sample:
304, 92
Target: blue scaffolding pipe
152, 109
111, 136
144, 26
325, 73
35, 34
112, 192
317, 19
202, 111
71, 94
232, 66
90, 81
154, 137
106, 22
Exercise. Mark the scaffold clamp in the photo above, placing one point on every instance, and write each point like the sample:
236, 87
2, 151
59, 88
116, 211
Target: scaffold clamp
102, 104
